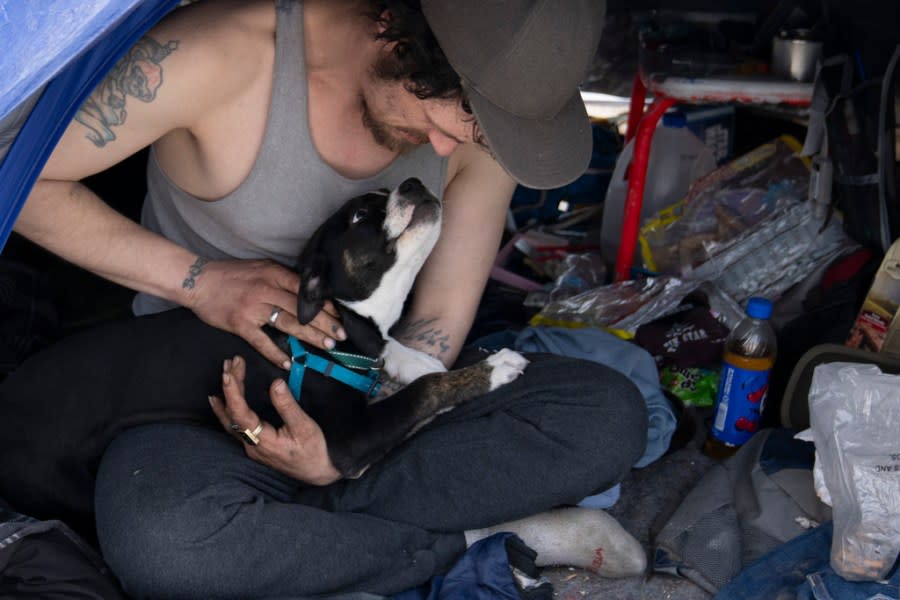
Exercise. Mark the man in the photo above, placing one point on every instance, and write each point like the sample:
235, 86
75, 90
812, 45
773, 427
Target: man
262, 119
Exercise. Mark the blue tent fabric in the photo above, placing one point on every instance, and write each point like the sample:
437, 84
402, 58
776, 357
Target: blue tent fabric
38, 40
52, 55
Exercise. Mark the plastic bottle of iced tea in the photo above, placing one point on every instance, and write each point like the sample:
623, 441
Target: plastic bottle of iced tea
750, 351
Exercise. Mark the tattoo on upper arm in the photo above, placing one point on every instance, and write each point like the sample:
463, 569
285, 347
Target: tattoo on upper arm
194, 272
138, 74
421, 334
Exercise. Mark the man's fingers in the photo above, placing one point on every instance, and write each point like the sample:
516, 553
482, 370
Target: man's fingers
265, 346
295, 419
323, 331
285, 300
329, 325
287, 280
238, 369
297, 449
330, 309
237, 409
287, 285
218, 408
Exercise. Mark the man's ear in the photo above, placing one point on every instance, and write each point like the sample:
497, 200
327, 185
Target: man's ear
314, 288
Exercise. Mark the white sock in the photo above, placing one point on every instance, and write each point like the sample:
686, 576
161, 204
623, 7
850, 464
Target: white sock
577, 537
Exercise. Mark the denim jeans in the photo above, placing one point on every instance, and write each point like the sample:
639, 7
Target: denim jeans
800, 569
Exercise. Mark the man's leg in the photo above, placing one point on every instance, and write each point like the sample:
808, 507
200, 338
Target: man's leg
182, 512
181, 506
563, 430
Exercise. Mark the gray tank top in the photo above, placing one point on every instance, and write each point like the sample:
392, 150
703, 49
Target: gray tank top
289, 191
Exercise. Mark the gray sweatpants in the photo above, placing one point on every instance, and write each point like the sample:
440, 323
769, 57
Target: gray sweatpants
183, 513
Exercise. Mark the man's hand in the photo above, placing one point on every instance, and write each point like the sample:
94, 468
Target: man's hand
240, 296
297, 448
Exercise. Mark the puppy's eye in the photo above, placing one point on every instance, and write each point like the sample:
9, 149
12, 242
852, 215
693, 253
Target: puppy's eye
359, 215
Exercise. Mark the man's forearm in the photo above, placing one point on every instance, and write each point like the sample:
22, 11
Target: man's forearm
427, 335
69, 220
424, 334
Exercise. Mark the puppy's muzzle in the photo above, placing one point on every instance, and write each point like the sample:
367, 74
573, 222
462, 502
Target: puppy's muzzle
409, 206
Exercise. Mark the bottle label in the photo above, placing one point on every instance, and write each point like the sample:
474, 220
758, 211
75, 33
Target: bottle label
741, 399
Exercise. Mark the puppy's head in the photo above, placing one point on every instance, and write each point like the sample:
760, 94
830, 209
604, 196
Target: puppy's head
366, 256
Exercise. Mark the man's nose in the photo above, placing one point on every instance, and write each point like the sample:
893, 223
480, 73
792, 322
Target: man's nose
443, 145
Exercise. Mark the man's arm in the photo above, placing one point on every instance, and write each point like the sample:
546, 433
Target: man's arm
143, 98
450, 286
168, 84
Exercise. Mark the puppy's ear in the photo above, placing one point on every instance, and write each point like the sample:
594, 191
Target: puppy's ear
314, 288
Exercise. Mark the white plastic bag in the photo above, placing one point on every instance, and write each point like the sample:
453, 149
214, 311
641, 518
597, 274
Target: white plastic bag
855, 421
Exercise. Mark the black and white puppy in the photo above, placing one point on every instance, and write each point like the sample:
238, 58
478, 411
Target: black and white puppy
365, 259
63, 406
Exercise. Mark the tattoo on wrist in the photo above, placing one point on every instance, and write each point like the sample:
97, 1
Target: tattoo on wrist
138, 74
422, 335
194, 272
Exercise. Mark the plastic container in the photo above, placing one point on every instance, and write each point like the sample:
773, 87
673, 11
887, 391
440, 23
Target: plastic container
750, 351
677, 159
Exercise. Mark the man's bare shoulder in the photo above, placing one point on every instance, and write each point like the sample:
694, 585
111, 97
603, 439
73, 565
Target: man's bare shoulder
218, 13
221, 30
196, 63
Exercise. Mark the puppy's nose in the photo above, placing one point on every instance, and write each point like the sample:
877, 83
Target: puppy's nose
411, 186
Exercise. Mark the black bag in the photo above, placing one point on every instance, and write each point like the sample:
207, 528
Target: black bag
28, 316
47, 560
852, 131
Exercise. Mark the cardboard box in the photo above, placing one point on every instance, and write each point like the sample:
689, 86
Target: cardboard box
877, 326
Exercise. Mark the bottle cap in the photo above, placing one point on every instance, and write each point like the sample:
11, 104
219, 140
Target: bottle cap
759, 308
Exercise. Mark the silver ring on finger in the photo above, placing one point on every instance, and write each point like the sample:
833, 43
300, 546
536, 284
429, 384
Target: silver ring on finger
274, 315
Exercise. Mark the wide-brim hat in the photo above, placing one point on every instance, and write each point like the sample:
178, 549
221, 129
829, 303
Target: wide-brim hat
520, 63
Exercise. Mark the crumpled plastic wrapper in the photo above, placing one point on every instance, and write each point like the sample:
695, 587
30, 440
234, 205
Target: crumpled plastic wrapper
777, 254
578, 273
747, 227
624, 306
724, 205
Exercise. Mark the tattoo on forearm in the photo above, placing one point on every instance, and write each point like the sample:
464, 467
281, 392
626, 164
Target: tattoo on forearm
138, 74
194, 272
421, 334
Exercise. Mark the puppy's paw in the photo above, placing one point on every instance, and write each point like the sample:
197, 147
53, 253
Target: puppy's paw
405, 364
506, 365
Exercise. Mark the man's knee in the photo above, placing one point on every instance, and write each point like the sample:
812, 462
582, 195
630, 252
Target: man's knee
625, 410
604, 412
153, 523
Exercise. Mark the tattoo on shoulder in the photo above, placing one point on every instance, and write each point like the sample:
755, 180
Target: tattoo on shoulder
194, 272
422, 334
138, 74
